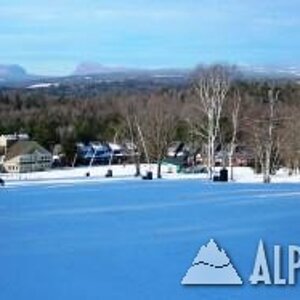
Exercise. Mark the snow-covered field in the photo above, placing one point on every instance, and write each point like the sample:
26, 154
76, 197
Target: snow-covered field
122, 172
135, 239
97, 173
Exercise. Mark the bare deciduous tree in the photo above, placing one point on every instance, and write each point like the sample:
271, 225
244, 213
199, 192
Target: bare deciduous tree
235, 110
212, 85
158, 125
131, 110
263, 118
290, 141
269, 143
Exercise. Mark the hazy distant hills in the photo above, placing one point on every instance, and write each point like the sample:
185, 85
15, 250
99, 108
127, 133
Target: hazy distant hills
276, 72
94, 68
12, 75
12, 72
89, 72
17, 76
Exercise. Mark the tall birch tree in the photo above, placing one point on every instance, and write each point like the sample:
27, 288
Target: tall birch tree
212, 85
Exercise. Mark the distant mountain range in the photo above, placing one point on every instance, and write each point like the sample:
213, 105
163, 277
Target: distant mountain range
16, 75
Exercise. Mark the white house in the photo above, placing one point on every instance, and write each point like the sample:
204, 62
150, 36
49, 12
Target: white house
27, 156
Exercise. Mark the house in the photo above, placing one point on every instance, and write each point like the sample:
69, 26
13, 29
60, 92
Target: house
93, 153
242, 156
182, 154
176, 149
100, 153
117, 152
7, 140
27, 156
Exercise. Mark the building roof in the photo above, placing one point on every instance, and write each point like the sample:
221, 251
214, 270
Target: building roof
23, 148
114, 147
14, 137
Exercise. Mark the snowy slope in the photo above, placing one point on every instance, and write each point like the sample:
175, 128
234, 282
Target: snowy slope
136, 240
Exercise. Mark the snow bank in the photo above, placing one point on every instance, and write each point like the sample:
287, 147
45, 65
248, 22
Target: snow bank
126, 172
42, 85
96, 173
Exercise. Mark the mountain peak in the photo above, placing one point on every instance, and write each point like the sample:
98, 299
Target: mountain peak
93, 68
12, 72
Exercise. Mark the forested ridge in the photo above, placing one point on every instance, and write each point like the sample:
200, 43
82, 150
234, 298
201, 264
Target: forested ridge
68, 114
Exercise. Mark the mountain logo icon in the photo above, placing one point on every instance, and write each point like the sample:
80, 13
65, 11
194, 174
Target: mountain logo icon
211, 266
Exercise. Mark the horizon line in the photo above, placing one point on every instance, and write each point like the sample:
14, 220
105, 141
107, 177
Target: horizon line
69, 71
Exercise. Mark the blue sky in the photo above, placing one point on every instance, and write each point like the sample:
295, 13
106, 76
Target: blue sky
51, 36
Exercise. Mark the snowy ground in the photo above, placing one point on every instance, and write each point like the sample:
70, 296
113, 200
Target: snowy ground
120, 172
136, 239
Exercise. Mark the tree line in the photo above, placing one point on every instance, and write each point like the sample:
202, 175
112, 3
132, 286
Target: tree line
216, 109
